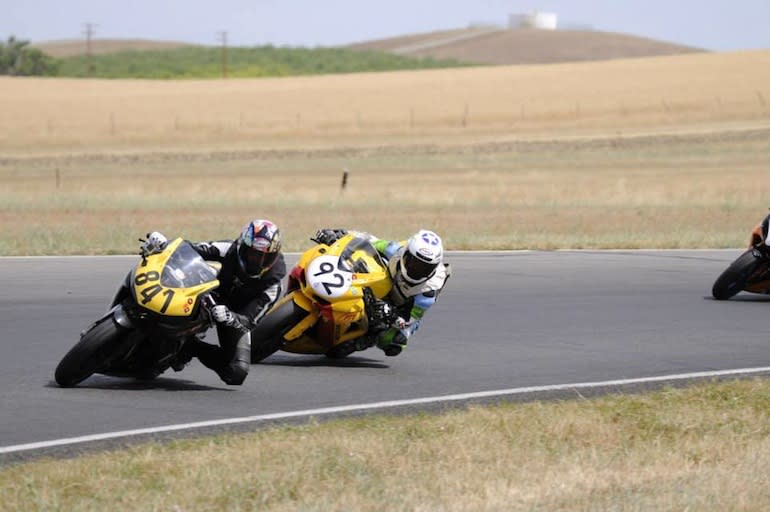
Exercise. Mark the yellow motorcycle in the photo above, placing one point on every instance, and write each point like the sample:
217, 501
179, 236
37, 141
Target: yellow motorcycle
332, 302
164, 301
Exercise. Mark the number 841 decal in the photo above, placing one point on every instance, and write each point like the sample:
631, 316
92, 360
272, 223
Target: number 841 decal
149, 291
326, 279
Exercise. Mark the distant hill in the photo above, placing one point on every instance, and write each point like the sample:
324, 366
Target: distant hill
495, 45
71, 48
477, 45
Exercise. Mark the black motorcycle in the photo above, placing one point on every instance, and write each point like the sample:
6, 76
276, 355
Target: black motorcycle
164, 301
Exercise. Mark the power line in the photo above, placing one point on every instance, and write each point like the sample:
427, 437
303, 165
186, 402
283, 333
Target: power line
88, 31
222, 36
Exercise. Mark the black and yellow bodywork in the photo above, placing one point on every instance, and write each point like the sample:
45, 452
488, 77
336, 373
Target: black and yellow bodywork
163, 288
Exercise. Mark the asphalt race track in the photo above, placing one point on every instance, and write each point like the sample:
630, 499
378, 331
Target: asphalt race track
506, 320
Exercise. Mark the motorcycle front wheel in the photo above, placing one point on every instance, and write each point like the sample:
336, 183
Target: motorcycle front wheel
267, 336
736, 276
90, 354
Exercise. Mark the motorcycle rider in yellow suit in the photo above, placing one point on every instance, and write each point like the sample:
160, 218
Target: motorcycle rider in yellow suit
418, 273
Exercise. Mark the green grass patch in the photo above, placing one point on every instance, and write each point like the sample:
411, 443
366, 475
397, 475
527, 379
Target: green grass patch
263, 61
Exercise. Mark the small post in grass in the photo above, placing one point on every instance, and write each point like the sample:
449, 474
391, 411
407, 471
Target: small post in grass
344, 183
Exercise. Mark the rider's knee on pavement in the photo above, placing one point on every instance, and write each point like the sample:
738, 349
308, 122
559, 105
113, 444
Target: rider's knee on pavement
392, 350
235, 373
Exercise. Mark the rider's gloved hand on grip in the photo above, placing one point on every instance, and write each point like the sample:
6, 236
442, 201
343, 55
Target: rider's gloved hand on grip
155, 242
400, 323
222, 315
328, 236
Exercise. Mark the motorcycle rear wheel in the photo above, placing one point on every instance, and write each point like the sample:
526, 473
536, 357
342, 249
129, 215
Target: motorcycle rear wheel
267, 336
90, 354
736, 276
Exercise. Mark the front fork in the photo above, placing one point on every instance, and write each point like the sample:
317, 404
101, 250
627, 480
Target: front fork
121, 317
117, 313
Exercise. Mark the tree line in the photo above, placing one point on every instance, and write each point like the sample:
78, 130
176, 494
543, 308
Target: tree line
17, 58
198, 62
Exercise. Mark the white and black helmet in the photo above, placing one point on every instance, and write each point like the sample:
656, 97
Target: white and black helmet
423, 253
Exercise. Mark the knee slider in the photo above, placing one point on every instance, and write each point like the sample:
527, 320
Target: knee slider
235, 373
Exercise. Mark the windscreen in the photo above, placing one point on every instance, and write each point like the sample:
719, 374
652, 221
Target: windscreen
360, 256
186, 268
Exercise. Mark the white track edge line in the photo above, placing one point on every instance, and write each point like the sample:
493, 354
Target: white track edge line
371, 406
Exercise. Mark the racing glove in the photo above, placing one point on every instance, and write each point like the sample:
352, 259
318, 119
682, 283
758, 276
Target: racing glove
155, 242
328, 236
222, 315
400, 323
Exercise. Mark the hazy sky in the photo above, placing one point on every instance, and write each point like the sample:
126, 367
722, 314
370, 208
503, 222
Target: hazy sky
709, 24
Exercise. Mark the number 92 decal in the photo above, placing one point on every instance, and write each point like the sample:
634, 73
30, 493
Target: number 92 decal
326, 279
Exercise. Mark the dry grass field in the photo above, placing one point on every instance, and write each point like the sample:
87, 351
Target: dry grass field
508, 102
701, 449
659, 152
674, 192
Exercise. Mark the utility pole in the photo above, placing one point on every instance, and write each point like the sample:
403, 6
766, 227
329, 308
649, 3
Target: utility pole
89, 32
223, 37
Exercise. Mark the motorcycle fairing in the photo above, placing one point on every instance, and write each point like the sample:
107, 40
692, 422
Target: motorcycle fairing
170, 282
331, 280
356, 259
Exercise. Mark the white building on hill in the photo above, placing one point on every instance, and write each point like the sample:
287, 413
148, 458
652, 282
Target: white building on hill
535, 19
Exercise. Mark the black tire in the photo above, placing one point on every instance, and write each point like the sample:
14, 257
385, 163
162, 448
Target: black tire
267, 336
735, 278
91, 354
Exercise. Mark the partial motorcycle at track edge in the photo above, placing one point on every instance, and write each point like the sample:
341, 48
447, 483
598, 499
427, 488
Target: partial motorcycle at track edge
750, 272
